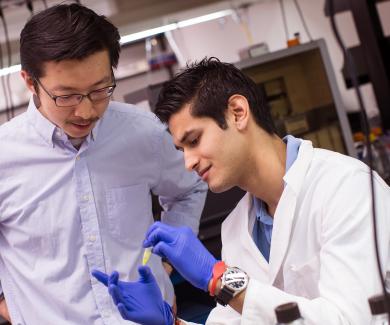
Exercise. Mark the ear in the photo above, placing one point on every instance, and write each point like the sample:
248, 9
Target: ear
238, 111
28, 81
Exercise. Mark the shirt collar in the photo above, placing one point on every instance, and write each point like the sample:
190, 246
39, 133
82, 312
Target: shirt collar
93, 135
42, 125
261, 213
292, 150
49, 131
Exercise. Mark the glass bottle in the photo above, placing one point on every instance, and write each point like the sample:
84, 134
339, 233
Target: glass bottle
289, 314
378, 310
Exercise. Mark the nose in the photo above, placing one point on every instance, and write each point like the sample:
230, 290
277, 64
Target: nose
85, 110
191, 161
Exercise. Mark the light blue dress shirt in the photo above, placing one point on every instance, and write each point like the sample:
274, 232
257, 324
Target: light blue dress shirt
64, 212
262, 230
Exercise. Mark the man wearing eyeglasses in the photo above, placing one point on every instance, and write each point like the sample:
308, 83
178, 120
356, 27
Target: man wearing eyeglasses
76, 175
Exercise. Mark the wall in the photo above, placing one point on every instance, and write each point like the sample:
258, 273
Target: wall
225, 37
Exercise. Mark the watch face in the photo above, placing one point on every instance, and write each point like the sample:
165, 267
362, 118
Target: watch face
235, 279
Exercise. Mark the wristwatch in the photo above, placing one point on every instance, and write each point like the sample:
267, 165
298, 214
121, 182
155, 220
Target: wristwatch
234, 281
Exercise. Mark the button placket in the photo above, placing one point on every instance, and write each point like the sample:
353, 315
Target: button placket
91, 235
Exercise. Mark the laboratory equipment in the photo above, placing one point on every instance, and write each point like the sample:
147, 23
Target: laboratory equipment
289, 314
146, 256
378, 310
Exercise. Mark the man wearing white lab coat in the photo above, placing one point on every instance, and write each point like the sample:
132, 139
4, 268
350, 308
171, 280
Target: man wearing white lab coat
320, 250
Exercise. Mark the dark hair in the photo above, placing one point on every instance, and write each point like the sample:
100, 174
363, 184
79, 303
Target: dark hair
65, 32
207, 87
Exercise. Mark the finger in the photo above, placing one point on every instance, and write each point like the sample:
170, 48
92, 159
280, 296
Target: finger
162, 250
116, 294
100, 276
160, 234
122, 310
152, 227
169, 230
145, 274
113, 278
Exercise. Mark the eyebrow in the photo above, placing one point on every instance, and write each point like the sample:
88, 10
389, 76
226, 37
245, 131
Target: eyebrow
186, 135
183, 138
65, 88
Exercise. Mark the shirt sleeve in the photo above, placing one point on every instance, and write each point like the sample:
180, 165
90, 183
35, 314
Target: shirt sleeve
347, 269
181, 193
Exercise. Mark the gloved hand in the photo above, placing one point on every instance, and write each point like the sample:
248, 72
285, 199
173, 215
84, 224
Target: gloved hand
141, 301
184, 251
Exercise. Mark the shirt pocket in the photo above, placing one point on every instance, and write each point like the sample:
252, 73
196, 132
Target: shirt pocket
129, 213
302, 279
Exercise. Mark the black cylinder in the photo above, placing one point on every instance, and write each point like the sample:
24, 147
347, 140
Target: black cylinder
377, 305
287, 312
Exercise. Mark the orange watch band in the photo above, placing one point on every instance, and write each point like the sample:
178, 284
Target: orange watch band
218, 270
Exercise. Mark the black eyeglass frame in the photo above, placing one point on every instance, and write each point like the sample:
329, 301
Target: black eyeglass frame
54, 97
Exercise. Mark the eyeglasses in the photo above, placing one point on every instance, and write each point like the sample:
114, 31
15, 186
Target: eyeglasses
75, 99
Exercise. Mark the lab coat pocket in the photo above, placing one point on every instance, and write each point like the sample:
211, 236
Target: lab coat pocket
129, 213
302, 279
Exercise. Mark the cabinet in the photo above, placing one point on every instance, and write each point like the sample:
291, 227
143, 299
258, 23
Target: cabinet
302, 94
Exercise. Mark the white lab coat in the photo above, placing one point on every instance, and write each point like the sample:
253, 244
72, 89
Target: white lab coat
322, 252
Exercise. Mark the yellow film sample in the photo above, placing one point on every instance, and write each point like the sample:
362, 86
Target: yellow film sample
146, 257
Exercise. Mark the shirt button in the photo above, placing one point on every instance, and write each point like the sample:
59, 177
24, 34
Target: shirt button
92, 238
86, 198
77, 157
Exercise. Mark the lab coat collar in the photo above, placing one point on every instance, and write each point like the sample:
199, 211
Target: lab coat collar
285, 211
242, 217
296, 173
245, 225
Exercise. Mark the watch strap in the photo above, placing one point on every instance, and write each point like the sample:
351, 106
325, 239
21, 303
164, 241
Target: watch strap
224, 296
218, 270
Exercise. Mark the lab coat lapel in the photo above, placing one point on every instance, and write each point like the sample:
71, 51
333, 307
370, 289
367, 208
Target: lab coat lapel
285, 211
257, 259
283, 223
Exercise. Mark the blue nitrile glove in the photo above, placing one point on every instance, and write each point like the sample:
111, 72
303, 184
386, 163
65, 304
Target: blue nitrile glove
183, 250
141, 301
